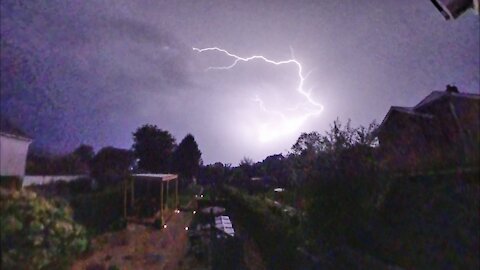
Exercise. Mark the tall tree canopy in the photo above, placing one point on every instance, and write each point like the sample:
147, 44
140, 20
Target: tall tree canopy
85, 153
153, 148
187, 157
111, 164
308, 143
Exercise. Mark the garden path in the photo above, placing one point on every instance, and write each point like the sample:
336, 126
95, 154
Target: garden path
140, 247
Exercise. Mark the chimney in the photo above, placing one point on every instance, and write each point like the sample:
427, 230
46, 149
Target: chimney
452, 89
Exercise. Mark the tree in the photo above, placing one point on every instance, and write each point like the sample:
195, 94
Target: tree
153, 148
340, 183
85, 153
281, 169
212, 174
187, 157
246, 164
308, 143
111, 164
238, 177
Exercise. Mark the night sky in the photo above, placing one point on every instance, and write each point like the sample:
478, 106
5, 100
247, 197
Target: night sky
91, 72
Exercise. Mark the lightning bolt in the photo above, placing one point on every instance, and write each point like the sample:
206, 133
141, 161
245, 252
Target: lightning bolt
289, 123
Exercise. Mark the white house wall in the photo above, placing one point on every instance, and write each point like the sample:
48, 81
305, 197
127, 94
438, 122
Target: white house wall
13, 155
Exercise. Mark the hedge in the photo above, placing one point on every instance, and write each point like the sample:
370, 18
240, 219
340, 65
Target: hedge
100, 211
276, 235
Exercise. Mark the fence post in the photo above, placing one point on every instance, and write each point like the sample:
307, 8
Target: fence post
125, 198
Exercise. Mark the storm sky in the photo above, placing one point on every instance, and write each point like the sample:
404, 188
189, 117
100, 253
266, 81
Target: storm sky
91, 72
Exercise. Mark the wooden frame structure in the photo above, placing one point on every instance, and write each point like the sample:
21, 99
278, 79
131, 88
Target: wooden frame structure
152, 177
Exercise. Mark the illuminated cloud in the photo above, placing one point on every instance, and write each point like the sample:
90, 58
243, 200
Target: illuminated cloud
284, 123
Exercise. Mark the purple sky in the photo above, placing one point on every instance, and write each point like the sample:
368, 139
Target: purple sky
77, 72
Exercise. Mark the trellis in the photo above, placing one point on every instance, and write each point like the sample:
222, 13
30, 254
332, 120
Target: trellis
164, 180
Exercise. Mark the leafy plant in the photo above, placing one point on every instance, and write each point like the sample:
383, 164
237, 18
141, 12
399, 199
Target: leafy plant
37, 233
11, 182
100, 211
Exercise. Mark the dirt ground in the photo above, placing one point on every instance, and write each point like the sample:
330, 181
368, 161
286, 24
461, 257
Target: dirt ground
140, 247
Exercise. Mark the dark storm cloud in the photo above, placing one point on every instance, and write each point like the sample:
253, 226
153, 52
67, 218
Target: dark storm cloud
138, 31
71, 71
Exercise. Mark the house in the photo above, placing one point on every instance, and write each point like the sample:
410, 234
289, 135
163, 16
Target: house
442, 130
13, 150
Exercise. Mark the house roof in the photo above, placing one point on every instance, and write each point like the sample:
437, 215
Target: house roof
409, 110
7, 128
436, 95
415, 111
402, 110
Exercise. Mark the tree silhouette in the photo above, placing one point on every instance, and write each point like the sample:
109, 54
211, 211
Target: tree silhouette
308, 143
187, 157
153, 148
111, 164
85, 153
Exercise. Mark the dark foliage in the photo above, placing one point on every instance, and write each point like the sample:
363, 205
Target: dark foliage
111, 165
153, 148
213, 174
55, 165
11, 182
85, 153
100, 211
281, 169
340, 176
37, 233
430, 222
63, 189
277, 235
187, 157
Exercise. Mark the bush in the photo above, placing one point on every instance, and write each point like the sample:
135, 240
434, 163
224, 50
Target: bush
100, 211
338, 210
431, 221
36, 233
158, 223
79, 186
11, 182
275, 234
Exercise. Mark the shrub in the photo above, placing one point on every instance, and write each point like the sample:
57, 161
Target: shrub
79, 186
274, 233
100, 211
431, 221
158, 223
37, 233
11, 182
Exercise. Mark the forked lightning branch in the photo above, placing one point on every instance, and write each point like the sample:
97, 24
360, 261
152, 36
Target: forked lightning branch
288, 123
